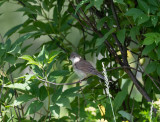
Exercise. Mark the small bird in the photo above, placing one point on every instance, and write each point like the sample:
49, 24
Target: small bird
82, 67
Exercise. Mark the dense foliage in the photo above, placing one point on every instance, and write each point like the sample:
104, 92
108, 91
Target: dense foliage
124, 34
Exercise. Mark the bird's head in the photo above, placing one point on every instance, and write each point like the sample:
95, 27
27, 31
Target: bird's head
74, 57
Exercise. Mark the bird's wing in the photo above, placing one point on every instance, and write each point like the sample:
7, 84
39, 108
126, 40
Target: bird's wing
85, 67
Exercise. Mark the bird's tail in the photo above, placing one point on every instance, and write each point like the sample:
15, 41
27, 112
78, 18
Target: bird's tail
99, 74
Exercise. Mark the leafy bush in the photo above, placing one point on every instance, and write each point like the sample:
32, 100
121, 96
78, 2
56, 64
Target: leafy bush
123, 34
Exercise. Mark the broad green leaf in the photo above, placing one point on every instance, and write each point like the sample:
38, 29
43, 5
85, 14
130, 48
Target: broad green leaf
22, 99
135, 13
158, 52
70, 92
143, 18
151, 37
42, 93
100, 41
29, 59
59, 73
2, 2
148, 49
12, 30
52, 56
60, 5
158, 69
36, 70
98, 3
101, 22
119, 1
34, 107
154, 20
121, 35
55, 110
126, 115
2, 50
22, 39
143, 5
19, 86
27, 10
29, 28
7, 45
134, 32
41, 57
120, 97
153, 55
63, 102
10, 58
89, 6
151, 67
15, 50
14, 67
80, 5
55, 15
57, 94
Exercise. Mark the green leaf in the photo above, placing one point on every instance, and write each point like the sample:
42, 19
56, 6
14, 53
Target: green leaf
119, 1
80, 5
151, 37
2, 2
100, 41
120, 97
134, 32
41, 57
154, 20
10, 59
101, 22
143, 5
126, 115
158, 52
57, 95
148, 49
121, 35
55, 110
55, 15
34, 107
53, 55
36, 70
53, 75
42, 93
98, 3
14, 67
70, 92
143, 18
63, 102
7, 45
60, 4
12, 30
158, 69
27, 10
19, 86
15, 50
134, 12
29, 28
30, 60
22, 39
151, 67
22, 99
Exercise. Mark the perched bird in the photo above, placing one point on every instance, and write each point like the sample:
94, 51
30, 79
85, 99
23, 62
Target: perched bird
82, 67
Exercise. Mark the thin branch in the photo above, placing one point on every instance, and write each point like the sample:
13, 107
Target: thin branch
79, 81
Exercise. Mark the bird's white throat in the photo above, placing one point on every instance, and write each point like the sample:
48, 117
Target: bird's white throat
75, 60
